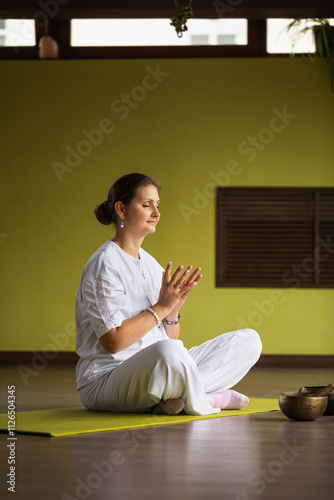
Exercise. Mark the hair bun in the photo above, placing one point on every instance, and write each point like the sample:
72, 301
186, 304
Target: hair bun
102, 212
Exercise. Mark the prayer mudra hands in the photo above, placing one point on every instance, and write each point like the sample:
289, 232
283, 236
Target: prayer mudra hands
175, 290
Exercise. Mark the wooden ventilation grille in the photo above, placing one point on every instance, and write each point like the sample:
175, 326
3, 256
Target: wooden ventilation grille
275, 237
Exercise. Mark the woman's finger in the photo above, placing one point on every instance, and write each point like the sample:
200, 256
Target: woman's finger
188, 288
184, 277
167, 272
176, 275
184, 295
196, 280
193, 276
200, 276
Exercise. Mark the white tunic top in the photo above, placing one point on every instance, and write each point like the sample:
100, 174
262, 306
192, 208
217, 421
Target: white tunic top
112, 288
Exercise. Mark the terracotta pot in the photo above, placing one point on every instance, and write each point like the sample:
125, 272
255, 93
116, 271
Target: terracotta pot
48, 48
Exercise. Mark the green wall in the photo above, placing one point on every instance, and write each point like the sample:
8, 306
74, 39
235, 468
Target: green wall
193, 120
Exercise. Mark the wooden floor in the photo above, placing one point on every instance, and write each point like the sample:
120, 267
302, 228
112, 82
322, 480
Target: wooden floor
262, 456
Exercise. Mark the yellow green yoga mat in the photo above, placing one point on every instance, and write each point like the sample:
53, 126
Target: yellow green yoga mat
79, 420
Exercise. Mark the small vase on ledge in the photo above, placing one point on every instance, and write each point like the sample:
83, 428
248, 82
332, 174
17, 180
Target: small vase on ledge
48, 48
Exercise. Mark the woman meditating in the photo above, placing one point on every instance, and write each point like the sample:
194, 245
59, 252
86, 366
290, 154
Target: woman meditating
127, 312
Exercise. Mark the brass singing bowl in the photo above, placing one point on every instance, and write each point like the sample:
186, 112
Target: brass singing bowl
311, 389
299, 406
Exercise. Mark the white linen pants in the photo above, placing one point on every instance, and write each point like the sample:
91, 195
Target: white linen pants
167, 370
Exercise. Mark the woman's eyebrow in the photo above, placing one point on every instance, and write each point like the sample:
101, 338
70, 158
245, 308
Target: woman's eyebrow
150, 199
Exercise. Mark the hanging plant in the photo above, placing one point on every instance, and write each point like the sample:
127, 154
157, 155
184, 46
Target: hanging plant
323, 35
182, 15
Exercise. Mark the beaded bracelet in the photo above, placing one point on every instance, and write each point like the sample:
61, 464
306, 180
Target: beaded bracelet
156, 315
172, 322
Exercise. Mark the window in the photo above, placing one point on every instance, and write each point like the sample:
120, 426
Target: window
275, 237
114, 38
281, 41
17, 32
156, 32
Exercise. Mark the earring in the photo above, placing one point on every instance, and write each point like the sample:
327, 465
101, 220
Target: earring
122, 224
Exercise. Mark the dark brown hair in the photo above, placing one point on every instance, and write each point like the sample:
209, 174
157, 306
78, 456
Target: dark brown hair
124, 189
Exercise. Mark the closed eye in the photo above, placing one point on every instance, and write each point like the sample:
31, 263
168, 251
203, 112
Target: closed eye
147, 206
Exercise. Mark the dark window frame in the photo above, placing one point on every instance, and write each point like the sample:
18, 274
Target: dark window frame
60, 30
307, 269
58, 18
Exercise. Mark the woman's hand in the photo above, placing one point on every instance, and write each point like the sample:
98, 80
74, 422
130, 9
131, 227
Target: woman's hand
175, 290
190, 279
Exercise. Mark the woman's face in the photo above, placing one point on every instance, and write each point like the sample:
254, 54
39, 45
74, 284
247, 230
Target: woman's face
142, 214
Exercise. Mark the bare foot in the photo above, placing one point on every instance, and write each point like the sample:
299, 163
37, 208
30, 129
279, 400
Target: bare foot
169, 407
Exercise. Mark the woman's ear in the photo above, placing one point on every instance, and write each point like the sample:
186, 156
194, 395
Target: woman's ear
119, 208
